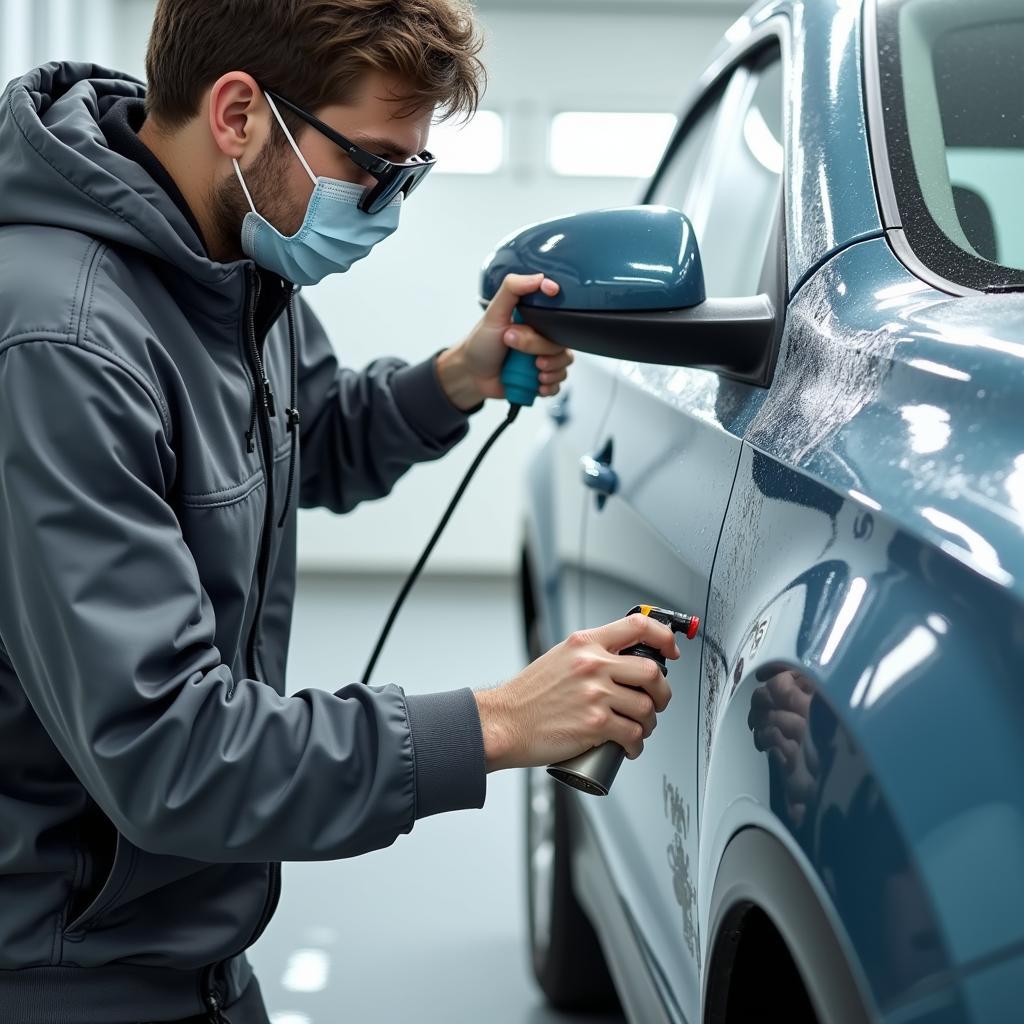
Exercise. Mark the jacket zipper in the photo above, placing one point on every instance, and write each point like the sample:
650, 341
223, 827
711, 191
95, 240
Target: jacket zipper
216, 1017
273, 892
209, 992
263, 564
210, 997
265, 409
267, 454
262, 385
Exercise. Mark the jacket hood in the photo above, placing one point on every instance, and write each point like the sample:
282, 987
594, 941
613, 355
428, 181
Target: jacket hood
56, 169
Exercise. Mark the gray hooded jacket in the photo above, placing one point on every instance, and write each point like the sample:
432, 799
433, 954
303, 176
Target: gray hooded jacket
153, 773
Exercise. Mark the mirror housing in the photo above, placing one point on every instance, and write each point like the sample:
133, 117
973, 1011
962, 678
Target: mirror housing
621, 260
632, 287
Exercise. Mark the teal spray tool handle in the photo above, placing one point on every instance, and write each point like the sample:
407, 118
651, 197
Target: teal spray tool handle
519, 375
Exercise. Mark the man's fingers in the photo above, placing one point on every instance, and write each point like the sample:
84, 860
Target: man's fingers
512, 289
563, 360
526, 339
636, 705
628, 734
553, 376
630, 670
635, 629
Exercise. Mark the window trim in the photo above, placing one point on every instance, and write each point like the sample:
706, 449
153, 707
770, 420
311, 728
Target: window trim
955, 271
774, 31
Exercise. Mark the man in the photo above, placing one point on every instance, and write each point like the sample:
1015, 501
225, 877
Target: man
165, 404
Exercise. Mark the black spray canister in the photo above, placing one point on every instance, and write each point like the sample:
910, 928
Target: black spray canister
594, 770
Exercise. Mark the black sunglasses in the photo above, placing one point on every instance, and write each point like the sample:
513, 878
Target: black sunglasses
391, 178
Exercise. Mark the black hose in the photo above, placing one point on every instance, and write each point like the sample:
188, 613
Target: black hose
513, 412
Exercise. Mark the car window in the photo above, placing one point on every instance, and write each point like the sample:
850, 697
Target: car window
676, 183
744, 187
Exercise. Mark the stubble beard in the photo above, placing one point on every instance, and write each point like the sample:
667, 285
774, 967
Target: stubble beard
265, 183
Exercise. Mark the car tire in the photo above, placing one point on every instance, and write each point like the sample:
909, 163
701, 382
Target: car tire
567, 959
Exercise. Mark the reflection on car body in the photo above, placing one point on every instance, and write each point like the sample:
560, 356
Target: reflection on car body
840, 767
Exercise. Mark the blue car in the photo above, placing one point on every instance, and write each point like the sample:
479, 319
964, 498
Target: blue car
798, 412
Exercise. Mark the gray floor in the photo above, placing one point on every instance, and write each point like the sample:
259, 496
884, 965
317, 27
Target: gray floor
432, 928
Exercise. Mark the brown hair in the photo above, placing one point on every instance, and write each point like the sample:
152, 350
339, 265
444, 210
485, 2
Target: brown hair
314, 52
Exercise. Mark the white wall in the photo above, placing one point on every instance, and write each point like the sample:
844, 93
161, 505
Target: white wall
418, 291
35, 31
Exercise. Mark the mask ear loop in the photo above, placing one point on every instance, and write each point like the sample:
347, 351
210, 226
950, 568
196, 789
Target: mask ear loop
298, 153
241, 181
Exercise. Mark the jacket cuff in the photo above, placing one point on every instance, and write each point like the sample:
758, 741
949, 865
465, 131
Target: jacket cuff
448, 747
422, 401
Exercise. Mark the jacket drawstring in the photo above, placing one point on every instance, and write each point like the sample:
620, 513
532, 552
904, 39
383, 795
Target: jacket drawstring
291, 412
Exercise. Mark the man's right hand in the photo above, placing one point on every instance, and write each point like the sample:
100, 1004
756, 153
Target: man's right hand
577, 696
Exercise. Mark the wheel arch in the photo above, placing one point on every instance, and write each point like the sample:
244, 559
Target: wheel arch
915, 662
757, 871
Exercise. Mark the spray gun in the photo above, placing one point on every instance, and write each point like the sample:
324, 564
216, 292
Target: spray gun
519, 373
594, 770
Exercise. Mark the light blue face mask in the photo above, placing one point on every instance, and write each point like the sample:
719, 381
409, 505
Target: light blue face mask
334, 234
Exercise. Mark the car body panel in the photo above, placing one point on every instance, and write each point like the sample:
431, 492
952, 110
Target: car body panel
554, 525
789, 556
674, 488
992, 989
911, 397
866, 343
863, 521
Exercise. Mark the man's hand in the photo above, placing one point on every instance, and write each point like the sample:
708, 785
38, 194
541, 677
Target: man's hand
471, 371
577, 696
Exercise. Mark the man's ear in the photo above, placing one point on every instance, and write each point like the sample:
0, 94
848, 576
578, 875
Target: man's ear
239, 116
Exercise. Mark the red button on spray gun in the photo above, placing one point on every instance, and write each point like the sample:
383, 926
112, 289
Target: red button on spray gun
594, 770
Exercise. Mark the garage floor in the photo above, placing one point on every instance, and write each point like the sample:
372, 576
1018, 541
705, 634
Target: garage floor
432, 928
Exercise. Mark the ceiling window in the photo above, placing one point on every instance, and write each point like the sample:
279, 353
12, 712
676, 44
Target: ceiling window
608, 144
477, 147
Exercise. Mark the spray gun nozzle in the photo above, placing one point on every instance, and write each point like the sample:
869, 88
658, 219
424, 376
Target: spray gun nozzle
676, 621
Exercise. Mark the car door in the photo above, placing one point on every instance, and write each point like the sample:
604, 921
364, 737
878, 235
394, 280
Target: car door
662, 474
554, 546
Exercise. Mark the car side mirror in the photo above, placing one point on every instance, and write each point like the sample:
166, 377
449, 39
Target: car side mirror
632, 287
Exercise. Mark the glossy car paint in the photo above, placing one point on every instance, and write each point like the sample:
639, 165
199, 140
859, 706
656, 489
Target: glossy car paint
656, 538
853, 532
876, 521
590, 254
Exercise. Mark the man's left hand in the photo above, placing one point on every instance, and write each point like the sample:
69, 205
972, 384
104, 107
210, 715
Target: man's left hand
471, 371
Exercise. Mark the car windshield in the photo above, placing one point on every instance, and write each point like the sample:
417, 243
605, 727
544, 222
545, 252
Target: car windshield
952, 90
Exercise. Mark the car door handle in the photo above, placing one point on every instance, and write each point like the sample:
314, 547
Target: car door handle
559, 410
598, 475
